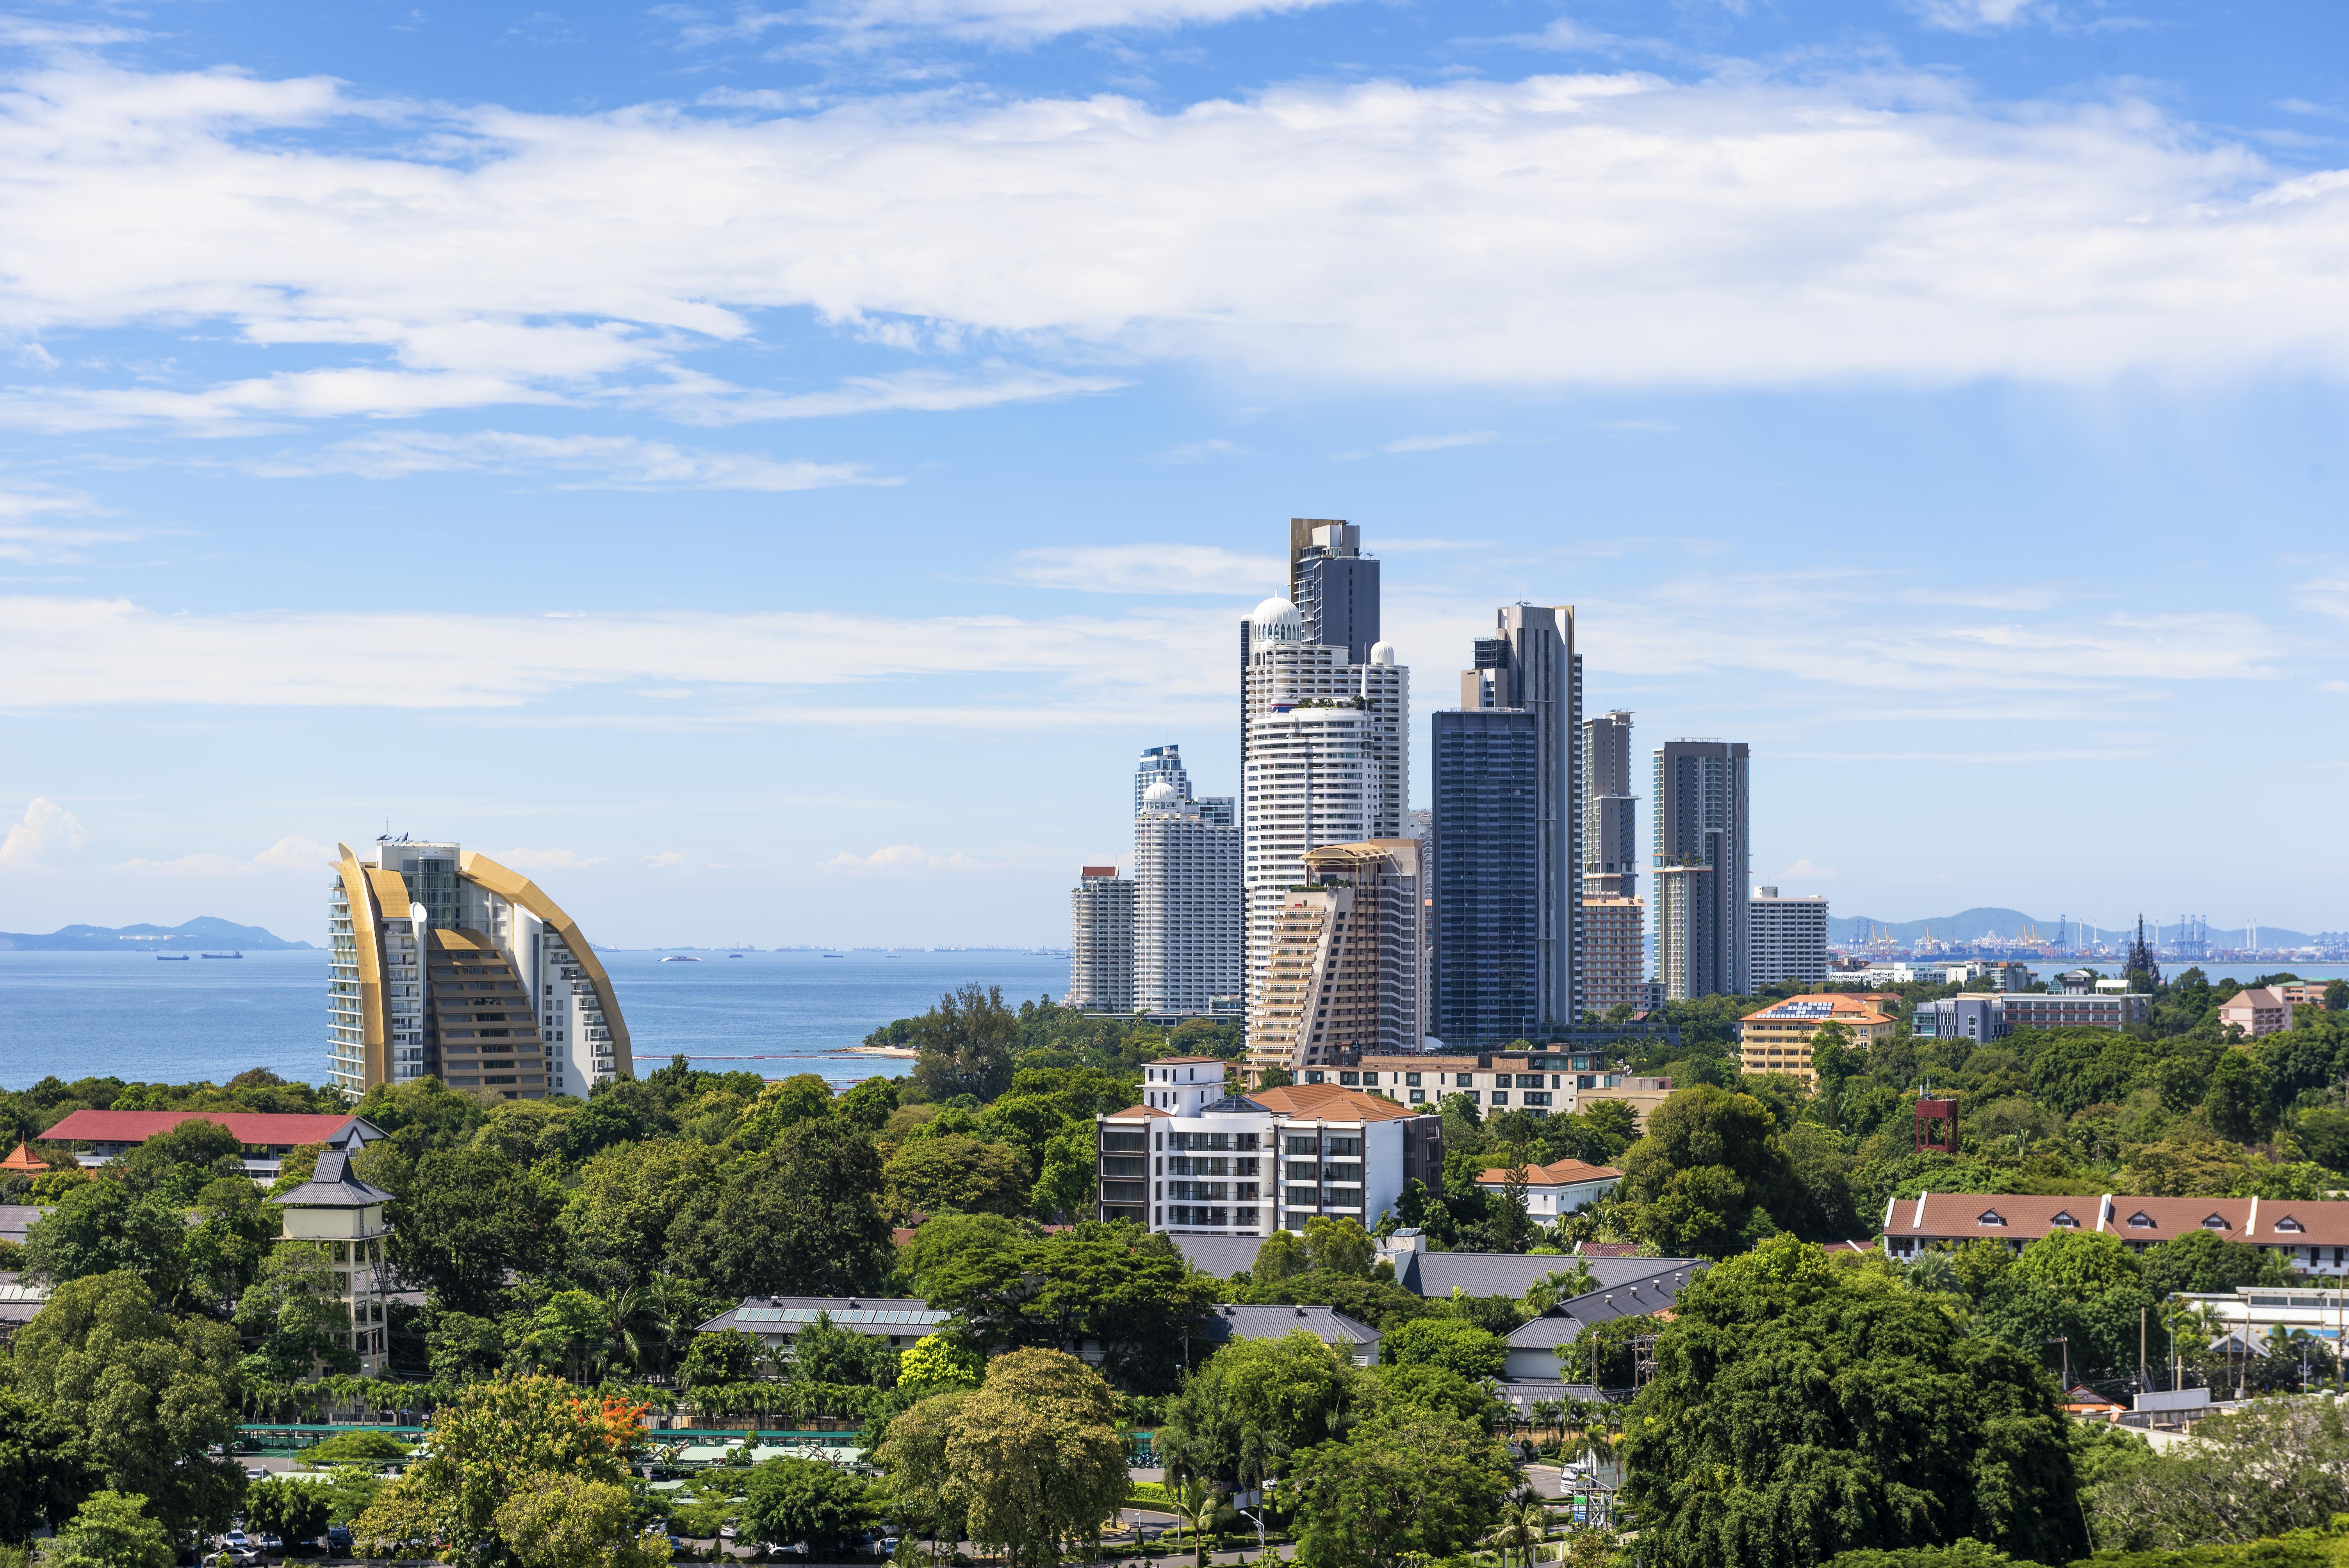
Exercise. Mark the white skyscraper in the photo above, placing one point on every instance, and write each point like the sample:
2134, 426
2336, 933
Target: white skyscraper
1187, 905
1789, 938
1160, 762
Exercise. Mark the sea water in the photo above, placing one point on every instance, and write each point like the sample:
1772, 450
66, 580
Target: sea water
132, 1015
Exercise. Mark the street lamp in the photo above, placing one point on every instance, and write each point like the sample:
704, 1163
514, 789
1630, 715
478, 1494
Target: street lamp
1257, 1520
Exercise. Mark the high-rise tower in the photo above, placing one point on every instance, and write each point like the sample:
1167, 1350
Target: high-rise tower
444, 964
1334, 585
1484, 877
1614, 918
1100, 942
1703, 859
1187, 920
1529, 662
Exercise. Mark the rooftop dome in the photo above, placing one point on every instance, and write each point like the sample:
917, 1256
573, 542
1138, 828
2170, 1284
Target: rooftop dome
1277, 621
1383, 653
1161, 797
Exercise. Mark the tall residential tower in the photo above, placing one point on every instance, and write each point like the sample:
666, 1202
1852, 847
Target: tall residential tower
1187, 919
444, 964
1529, 664
1703, 857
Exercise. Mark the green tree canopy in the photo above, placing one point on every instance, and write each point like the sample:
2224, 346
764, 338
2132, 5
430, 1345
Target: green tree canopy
1701, 1182
616, 1219
178, 1163
1255, 1402
464, 1217
802, 1218
113, 1529
44, 1471
1800, 1409
101, 1227
1409, 1487
1037, 1456
148, 1393
967, 1043
291, 1510
1446, 1342
787, 1500
935, 1175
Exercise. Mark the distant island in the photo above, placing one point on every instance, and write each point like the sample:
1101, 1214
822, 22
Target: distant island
206, 930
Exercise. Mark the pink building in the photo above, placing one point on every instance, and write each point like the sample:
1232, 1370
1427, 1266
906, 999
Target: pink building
2262, 1010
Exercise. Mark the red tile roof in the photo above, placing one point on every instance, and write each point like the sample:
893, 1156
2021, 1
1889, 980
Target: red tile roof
256, 1127
1137, 1111
1329, 1102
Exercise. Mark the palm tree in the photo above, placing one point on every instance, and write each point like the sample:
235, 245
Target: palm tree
632, 1326
1550, 1416
1524, 1524
1196, 1504
671, 1309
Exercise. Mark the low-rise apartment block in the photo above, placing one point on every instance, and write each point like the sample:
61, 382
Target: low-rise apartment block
2314, 1237
1249, 1164
1777, 1038
1982, 1016
1539, 1081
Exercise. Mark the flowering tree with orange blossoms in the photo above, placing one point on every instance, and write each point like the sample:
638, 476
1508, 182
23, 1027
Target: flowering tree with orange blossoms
501, 1443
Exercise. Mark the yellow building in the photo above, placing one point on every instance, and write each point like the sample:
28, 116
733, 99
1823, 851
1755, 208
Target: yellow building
1777, 1038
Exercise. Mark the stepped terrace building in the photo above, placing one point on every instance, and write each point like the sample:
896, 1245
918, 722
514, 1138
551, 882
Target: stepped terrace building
444, 964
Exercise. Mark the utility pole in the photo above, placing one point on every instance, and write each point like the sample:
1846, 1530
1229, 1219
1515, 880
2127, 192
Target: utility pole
2140, 1349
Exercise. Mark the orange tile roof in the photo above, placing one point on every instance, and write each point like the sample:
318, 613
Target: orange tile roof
1137, 1111
23, 1161
1843, 1007
1330, 1102
2264, 1222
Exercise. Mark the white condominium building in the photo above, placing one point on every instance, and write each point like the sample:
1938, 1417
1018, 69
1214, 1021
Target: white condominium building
444, 964
1187, 905
1100, 942
1788, 938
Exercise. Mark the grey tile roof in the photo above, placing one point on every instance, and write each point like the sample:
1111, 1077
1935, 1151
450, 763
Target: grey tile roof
1628, 1298
1221, 1256
333, 1185
1227, 1321
1522, 1391
16, 1219
1437, 1275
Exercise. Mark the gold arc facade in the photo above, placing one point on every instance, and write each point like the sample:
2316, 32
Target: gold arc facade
447, 964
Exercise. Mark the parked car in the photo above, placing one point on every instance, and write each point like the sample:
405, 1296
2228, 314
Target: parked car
338, 1539
254, 1472
235, 1538
270, 1543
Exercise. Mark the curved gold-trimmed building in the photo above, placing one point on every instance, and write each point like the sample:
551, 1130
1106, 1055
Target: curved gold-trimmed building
447, 964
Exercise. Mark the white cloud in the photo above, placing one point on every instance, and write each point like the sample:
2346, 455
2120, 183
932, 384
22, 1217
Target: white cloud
44, 543
1150, 568
548, 860
1972, 16
1623, 231
46, 833
62, 652
614, 462
1200, 451
908, 858
1802, 869
296, 854
993, 21
289, 854
1443, 443
666, 858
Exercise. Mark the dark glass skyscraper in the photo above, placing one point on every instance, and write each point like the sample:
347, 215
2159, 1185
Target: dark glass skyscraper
1486, 876
1334, 586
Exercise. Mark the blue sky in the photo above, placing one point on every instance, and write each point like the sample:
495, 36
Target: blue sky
769, 471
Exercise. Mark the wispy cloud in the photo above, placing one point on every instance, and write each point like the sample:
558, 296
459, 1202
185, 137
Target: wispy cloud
1148, 569
610, 462
1973, 15
1200, 451
1424, 444
903, 858
546, 859
287, 854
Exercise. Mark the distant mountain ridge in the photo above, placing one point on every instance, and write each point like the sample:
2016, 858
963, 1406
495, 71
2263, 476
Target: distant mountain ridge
1969, 924
206, 930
